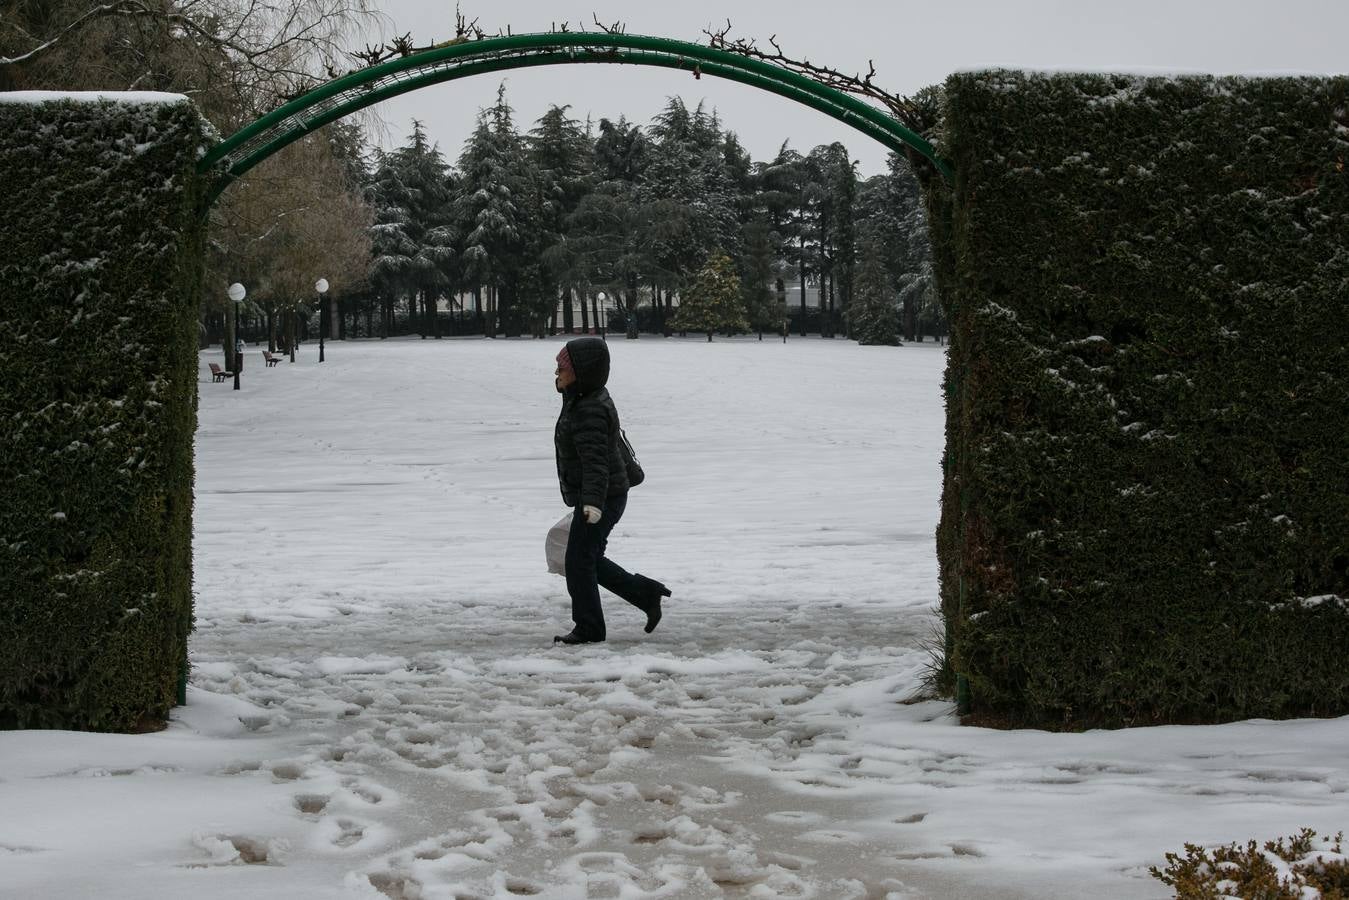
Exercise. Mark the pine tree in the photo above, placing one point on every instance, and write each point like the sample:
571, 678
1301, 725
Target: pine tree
620, 151
491, 210
608, 228
873, 315
842, 184
424, 178
692, 200
392, 247
830, 195
672, 187
775, 194
892, 204
713, 303
739, 169
347, 141
764, 309
563, 158
777, 189
914, 278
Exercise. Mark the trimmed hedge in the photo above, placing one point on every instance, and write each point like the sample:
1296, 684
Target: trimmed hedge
1146, 507
100, 270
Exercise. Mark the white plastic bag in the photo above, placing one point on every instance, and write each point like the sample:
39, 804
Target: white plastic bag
555, 547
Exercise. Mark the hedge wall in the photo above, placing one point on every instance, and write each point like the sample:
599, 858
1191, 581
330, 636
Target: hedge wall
99, 281
1146, 507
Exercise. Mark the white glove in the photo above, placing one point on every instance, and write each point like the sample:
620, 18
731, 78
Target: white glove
591, 513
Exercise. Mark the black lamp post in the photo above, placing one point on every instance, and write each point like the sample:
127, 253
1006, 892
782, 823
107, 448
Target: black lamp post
322, 287
237, 294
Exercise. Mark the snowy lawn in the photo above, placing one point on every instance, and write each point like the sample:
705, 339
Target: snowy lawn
377, 709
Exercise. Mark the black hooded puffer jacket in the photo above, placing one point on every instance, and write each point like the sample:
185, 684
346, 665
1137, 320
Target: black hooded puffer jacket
589, 464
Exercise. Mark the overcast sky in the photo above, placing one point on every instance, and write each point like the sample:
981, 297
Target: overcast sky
912, 43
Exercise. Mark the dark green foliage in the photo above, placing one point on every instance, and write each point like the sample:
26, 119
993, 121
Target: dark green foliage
412, 239
873, 317
568, 211
688, 183
764, 310
563, 158
713, 302
892, 205
100, 271
836, 229
497, 216
620, 151
1146, 507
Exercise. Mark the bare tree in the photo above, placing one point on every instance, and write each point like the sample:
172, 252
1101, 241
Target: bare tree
235, 58
292, 221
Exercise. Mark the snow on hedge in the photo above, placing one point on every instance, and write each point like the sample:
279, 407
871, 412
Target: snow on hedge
133, 97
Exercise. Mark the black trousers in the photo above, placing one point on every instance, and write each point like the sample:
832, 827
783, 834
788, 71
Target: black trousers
588, 569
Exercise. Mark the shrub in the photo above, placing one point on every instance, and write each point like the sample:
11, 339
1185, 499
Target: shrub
1295, 869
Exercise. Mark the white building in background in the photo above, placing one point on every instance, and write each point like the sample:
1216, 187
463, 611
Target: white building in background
793, 293
792, 296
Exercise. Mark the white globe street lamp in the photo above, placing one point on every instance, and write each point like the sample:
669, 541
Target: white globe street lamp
600, 313
321, 286
237, 293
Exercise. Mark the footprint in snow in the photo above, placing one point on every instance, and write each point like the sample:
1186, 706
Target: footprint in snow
364, 791
311, 804
611, 875
237, 849
396, 885
288, 771
349, 833
651, 836
473, 844
831, 836
794, 817
518, 887
258, 723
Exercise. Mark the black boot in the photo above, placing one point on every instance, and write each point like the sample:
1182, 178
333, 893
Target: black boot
572, 637
655, 590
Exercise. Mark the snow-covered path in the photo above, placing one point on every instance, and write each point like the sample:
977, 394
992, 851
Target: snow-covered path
377, 710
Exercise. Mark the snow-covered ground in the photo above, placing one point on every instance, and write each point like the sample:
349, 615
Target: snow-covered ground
377, 708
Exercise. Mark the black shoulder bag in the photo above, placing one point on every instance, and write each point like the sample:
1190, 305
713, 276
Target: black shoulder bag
635, 474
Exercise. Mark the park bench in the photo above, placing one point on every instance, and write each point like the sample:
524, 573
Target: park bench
219, 374
270, 360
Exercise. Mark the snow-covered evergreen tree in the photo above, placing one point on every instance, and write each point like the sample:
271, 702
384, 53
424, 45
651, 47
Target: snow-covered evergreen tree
620, 151
392, 244
841, 180
912, 249
490, 209
713, 303
893, 205
563, 160
567, 212
693, 201
424, 178
873, 315
764, 310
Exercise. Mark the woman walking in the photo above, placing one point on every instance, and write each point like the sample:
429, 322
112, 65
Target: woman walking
593, 475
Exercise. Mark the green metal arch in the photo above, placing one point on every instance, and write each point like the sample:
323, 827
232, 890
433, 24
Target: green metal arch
351, 93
